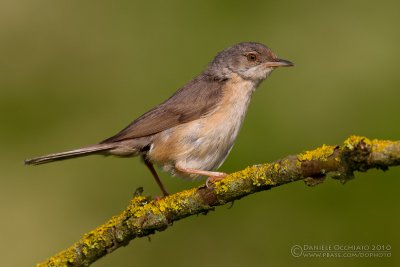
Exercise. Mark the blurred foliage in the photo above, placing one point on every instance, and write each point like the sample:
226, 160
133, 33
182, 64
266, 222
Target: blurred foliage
76, 72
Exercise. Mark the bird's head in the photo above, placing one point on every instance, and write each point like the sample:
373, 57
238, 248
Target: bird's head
251, 61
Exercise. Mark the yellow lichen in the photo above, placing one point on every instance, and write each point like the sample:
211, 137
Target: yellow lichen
321, 154
276, 167
255, 173
169, 203
64, 258
351, 142
222, 187
298, 163
284, 165
177, 201
259, 173
380, 145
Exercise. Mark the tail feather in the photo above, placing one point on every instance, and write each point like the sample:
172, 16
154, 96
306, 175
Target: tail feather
69, 154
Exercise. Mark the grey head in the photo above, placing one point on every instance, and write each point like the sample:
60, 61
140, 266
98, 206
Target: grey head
249, 60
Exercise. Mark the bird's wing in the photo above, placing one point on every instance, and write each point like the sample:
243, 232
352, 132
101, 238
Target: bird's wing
191, 102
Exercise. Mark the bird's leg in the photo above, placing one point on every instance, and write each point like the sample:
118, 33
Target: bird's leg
212, 176
155, 175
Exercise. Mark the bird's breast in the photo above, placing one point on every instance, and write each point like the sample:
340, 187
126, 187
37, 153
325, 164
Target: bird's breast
205, 143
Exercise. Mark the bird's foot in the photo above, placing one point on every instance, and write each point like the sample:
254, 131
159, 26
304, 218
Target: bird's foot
213, 179
212, 176
157, 198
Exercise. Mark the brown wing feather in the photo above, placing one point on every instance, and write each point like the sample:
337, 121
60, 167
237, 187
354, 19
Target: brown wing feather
189, 103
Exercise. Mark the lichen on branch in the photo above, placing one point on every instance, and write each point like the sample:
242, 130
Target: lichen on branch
144, 216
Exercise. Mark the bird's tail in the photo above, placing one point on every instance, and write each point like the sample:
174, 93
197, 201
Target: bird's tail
80, 152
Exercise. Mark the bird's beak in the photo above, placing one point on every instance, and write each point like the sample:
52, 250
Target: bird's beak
279, 63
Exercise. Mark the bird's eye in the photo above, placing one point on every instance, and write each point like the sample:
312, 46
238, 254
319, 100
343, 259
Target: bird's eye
251, 57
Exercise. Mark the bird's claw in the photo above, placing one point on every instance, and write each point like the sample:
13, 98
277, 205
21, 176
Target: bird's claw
213, 179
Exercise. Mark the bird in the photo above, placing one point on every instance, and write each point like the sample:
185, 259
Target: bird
191, 133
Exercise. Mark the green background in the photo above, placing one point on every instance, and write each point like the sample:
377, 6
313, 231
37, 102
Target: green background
75, 72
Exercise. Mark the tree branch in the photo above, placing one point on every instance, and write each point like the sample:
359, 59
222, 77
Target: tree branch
145, 216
